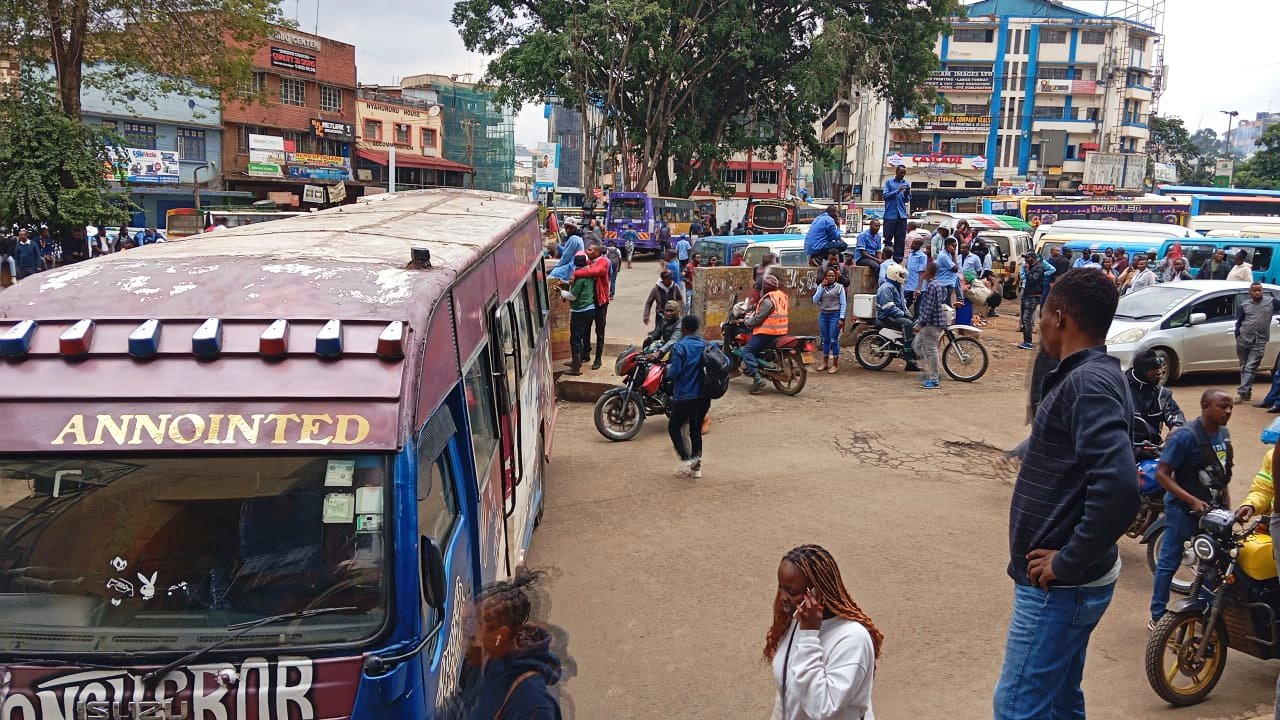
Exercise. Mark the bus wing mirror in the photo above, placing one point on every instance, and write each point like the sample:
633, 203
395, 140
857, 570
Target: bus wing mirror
433, 585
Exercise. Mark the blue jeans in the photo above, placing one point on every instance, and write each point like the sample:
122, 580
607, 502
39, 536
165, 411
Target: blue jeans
1044, 655
1179, 526
829, 329
757, 344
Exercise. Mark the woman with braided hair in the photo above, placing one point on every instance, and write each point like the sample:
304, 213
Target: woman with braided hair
509, 664
823, 648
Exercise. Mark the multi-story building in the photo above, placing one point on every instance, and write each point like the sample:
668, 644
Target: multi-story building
1245, 136
412, 123
753, 175
294, 125
1031, 88
477, 132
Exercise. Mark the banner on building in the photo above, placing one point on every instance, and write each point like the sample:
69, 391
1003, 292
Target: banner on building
293, 60
546, 163
1011, 187
953, 162
146, 167
330, 130
1165, 172
266, 156
958, 124
955, 80
1052, 86
308, 172
313, 194
337, 193
316, 160
1126, 171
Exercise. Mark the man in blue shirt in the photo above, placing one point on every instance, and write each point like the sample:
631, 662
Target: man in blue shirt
916, 263
866, 248
969, 263
147, 237
675, 267
690, 401
948, 275
683, 247
897, 204
563, 270
824, 236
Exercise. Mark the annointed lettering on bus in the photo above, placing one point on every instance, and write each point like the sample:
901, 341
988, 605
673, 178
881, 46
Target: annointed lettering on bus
214, 429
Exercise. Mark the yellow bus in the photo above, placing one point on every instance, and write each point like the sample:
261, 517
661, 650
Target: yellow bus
677, 213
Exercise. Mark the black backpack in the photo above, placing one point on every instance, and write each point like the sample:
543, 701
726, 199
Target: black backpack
715, 370
1034, 284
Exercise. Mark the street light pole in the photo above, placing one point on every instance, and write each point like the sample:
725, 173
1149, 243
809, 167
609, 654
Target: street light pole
1231, 115
195, 181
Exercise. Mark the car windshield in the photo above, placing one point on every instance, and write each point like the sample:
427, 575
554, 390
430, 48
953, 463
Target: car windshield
626, 208
1151, 302
163, 553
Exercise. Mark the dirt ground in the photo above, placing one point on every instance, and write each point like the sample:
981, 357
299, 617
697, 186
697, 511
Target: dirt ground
665, 584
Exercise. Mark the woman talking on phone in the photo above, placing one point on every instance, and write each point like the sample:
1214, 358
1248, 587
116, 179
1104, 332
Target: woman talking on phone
822, 646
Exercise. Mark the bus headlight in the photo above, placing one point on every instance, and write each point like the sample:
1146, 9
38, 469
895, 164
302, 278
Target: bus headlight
1203, 548
1132, 335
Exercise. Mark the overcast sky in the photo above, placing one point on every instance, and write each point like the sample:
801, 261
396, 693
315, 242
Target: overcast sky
1221, 53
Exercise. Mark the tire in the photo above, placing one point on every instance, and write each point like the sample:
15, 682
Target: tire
871, 351
1171, 369
789, 364
1166, 649
971, 366
1183, 577
610, 419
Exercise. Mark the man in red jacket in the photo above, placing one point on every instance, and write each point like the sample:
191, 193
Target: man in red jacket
598, 269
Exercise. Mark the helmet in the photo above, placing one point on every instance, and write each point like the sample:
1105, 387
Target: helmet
896, 273
770, 281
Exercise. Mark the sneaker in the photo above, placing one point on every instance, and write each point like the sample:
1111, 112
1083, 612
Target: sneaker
934, 385
756, 385
1026, 346
696, 468
685, 468
1242, 398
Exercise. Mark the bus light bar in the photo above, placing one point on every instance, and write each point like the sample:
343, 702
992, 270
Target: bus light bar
74, 341
207, 340
274, 342
144, 341
329, 340
391, 341
16, 341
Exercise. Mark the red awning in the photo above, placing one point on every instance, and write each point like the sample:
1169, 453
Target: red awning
405, 159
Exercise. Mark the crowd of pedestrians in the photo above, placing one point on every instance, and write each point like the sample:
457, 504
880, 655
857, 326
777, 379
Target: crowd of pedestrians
25, 251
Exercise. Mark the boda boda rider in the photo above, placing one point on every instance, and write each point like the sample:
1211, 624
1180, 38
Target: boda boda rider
1153, 403
767, 323
891, 309
667, 331
1196, 460
1261, 501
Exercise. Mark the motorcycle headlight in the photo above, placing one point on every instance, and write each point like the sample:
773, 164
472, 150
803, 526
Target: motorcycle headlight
1132, 335
1204, 548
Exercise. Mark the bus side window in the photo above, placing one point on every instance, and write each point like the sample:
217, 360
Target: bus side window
540, 290
1261, 259
526, 326
481, 413
511, 350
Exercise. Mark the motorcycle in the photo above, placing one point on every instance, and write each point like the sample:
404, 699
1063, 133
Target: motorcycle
964, 358
620, 412
1234, 603
785, 364
1149, 524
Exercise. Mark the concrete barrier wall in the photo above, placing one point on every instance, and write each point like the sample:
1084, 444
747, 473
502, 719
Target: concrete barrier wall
715, 288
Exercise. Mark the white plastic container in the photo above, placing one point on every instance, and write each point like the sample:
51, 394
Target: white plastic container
864, 306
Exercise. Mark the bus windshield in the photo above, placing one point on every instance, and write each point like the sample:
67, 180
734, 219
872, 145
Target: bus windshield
769, 216
163, 553
627, 208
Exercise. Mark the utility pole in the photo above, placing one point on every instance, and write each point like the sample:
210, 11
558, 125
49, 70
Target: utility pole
1231, 177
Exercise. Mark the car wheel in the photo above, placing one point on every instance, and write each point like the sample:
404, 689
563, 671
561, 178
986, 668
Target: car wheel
1171, 371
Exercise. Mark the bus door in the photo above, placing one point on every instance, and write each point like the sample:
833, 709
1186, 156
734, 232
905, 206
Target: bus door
444, 530
518, 413
503, 339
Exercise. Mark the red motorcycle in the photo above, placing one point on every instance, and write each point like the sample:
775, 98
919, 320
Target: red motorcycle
620, 412
784, 364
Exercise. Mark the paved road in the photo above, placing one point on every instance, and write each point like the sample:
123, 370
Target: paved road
665, 584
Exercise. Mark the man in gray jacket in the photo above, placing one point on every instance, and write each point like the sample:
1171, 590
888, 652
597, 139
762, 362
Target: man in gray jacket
1253, 331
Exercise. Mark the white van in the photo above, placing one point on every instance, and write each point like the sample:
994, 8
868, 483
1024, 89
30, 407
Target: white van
789, 253
1233, 225
1114, 227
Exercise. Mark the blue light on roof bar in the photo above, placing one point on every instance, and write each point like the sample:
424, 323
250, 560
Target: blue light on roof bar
17, 340
207, 342
144, 342
329, 340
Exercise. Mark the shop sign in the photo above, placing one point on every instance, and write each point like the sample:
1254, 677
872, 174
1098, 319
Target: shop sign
295, 39
259, 169
958, 80
317, 160
293, 60
146, 167
1096, 189
307, 172
957, 124
313, 194
1053, 86
337, 193
330, 130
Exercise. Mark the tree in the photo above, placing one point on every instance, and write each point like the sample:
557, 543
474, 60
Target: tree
1171, 143
136, 49
1262, 169
696, 80
52, 167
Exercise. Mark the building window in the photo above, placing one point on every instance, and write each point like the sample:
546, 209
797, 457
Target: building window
911, 148
963, 148
978, 110
402, 134
980, 35
1060, 73
973, 184
1048, 112
372, 129
242, 136
330, 98
190, 144
327, 146
1093, 37
293, 92
110, 125
734, 176
1071, 152
1093, 114
919, 185
140, 135
254, 87
1053, 37
1133, 79
301, 141
947, 183
1137, 42
764, 177
428, 137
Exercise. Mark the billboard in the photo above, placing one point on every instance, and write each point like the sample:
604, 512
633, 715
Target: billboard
1123, 170
147, 167
938, 160
293, 60
957, 124
1165, 172
266, 156
1050, 86
546, 164
310, 166
330, 130
954, 80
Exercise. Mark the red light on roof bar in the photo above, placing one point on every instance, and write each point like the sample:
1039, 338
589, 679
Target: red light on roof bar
74, 341
274, 341
391, 341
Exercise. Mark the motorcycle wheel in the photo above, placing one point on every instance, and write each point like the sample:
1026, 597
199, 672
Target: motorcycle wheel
789, 366
1171, 653
615, 422
1185, 573
964, 359
872, 351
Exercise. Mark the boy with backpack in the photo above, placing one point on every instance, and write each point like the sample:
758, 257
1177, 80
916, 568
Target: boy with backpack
1035, 281
691, 396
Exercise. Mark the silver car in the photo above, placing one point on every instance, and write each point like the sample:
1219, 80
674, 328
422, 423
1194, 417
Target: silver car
1191, 323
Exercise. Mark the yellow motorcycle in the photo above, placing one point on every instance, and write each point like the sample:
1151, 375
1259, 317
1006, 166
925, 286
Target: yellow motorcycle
1233, 602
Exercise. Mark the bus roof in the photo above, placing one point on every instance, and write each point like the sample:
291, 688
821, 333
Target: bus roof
1238, 193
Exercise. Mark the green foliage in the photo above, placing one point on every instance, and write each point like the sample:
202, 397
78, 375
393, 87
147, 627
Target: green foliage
1262, 170
1192, 154
192, 47
696, 81
51, 165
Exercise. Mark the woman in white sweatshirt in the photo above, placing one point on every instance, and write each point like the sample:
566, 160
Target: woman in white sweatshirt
823, 648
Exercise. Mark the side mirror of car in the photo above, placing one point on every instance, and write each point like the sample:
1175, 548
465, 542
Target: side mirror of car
1197, 318
432, 569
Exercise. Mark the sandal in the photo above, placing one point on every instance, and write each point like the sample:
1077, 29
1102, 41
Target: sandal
821, 367
833, 369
